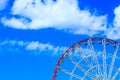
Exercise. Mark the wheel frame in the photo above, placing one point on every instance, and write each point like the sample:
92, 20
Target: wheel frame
109, 41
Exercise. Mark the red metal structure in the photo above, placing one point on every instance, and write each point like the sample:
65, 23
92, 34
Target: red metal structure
91, 59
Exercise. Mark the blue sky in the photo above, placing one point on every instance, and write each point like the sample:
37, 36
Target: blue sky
34, 33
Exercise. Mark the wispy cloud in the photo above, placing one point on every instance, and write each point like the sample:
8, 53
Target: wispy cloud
3, 4
62, 14
33, 47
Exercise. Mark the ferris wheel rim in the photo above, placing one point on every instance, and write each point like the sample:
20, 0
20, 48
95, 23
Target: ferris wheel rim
79, 42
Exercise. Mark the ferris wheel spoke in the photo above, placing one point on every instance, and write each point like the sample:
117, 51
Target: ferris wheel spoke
87, 64
85, 58
71, 74
113, 61
118, 71
81, 68
104, 60
95, 57
75, 69
94, 74
79, 63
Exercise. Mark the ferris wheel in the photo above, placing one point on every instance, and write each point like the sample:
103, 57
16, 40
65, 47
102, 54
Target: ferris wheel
89, 59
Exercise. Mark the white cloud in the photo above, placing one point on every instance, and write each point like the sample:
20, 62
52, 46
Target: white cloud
3, 4
37, 45
33, 47
63, 14
114, 31
117, 17
15, 23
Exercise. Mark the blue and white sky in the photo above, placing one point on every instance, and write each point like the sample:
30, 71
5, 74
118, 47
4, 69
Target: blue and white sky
34, 33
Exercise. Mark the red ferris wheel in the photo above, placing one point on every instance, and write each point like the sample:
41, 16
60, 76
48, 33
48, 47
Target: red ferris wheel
89, 59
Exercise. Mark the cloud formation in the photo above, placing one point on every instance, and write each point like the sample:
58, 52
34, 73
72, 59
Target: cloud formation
62, 14
114, 30
3, 4
33, 47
